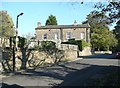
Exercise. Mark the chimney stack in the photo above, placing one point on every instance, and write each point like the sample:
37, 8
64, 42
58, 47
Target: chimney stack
38, 24
75, 22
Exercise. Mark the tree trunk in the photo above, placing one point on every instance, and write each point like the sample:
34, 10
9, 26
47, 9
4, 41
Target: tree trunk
24, 59
23, 65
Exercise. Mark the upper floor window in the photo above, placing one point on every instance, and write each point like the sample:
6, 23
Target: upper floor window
56, 35
68, 35
82, 35
45, 36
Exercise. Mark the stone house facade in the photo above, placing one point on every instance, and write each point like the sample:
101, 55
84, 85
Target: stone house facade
61, 33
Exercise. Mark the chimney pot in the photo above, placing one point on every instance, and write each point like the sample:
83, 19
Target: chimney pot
39, 24
75, 22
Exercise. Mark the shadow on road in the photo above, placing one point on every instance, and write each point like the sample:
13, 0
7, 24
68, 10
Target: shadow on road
86, 76
4, 85
91, 76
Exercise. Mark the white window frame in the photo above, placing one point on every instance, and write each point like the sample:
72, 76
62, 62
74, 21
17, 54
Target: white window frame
68, 35
82, 35
56, 36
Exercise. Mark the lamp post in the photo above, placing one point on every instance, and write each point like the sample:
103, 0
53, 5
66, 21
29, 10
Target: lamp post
16, 43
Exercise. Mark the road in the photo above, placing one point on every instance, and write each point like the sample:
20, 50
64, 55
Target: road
78, 72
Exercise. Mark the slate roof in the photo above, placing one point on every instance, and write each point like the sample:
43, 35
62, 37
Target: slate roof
63, 26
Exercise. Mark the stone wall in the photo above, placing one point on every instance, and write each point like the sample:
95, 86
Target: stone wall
39, 58
86, 51
69, 46
70, 55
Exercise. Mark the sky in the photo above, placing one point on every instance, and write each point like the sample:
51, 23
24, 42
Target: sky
66, 13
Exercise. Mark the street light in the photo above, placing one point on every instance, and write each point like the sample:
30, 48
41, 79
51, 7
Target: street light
17, 30
16, 43
17, 19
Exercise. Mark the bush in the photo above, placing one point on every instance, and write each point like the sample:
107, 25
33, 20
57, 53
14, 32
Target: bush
48, 44
73, 39
22, 41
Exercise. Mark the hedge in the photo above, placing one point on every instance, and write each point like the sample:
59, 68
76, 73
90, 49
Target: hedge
21, 43
48, 44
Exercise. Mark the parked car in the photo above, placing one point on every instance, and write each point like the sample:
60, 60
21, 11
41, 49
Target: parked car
118, 55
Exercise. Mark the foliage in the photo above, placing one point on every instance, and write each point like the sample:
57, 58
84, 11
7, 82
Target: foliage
6, 59
51, 20
6, 25
81, 44
50, 49
112, 9
22, 41
117, 35
48, 45
103, 39
97, 21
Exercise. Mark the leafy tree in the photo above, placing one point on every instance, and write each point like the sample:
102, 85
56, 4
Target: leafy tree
51, 20
97, 21
112, 9
101, 37
6, 27
6, 31
116, 32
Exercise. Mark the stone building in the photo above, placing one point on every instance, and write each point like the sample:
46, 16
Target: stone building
61, 33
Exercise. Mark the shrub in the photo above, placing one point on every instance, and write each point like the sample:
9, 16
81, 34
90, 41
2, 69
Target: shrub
73, 39
48, 44
21, 42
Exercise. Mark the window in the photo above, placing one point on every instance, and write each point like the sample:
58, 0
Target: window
56, 35
82, 35
45, 36
68, 35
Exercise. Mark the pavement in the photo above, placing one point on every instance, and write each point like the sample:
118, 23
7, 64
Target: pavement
75, 73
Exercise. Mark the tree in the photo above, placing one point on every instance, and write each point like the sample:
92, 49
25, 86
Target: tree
97, 21
117, 27
117, 33
101, 37
51, 20
112, 9
24, 44
6, 31
6, 27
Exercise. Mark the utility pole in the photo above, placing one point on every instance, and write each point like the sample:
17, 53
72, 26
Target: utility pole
16, 42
